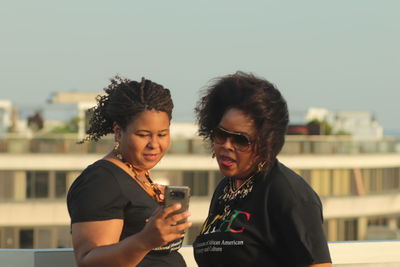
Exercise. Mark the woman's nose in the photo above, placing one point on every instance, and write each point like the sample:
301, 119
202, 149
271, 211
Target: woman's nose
153, 142
227, 144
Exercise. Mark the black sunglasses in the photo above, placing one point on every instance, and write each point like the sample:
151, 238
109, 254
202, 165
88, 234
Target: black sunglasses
239, 141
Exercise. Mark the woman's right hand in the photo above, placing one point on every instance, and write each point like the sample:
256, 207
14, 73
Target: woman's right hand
161, 228
97, 243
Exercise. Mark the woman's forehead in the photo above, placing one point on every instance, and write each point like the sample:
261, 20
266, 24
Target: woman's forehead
236, 120
150, 119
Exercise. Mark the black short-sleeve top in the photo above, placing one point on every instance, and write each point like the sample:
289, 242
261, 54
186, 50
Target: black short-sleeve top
278, 224
104, 191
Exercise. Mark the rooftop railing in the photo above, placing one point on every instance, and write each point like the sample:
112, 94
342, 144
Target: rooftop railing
295, 144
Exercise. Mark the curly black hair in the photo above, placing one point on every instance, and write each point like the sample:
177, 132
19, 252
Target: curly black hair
257, 98
124, 99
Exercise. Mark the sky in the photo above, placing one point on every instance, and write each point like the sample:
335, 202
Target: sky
341, 55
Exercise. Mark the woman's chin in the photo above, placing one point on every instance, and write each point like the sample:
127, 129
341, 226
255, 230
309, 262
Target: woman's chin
227, 173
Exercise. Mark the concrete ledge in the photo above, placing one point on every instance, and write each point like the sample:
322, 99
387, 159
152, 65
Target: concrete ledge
37, 257
344, 254
365, 253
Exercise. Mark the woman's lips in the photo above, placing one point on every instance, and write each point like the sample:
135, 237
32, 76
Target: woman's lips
226, 161
150, 157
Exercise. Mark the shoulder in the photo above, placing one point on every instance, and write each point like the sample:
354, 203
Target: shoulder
296, 211
97, 175
288, 188
95, 194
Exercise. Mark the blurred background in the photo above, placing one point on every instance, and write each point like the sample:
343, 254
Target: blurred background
337, 64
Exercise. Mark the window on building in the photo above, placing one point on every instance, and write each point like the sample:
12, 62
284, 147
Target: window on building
60, 184
44, 238
35, 237
8, 238
6, 185
37, 184
46, 184
26, 238
397, 179
63, 237
197, 181
351, 229
377, 221
347, 229
373, 181
340, 181
320, 181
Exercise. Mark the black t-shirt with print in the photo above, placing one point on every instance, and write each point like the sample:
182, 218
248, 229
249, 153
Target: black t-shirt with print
104, 191
279, 223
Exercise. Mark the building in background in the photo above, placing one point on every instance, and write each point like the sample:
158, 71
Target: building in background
358, 180
5, 116
68, 111
64, 112
360, 124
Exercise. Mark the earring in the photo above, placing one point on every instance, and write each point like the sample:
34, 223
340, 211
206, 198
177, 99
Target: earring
261, 166
213, 155
117, 153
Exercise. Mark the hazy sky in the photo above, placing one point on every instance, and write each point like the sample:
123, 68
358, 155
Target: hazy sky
341, 55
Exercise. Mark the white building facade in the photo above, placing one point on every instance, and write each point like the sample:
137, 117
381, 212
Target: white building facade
360, 124
358, 182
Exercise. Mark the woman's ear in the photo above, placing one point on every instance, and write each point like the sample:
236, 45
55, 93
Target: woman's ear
117, 132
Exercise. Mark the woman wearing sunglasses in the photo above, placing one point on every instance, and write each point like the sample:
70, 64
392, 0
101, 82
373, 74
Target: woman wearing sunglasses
262, 213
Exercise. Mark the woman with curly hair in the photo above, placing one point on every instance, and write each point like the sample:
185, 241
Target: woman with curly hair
116, 216
262, 213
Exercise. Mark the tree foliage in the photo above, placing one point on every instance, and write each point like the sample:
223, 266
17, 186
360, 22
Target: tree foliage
71, 126
327, 129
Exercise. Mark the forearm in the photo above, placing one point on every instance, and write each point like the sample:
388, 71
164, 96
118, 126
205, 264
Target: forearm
97, 244
128, 252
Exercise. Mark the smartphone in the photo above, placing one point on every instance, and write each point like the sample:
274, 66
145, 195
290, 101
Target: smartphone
177, 194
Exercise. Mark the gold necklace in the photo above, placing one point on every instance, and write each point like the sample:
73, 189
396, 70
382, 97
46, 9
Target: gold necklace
230, 195
242, 191
233, 186
149, 186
